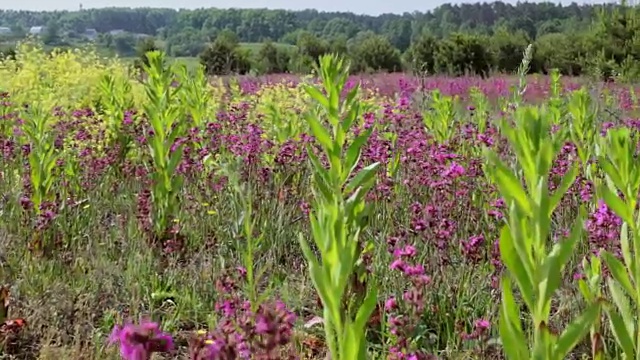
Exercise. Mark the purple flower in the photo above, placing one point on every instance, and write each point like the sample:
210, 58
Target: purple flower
482, 324
390, 304
455, 170
138, 342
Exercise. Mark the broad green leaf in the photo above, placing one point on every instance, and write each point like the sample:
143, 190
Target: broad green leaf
365, 310
508, 184
613, 173
567, 180
576, 331
353, 344
320, 133
353, 151
321, 176
625, 248
622, 303
619, 272
520, 269
363, 176
321, 238
350, 99
174, 159
320, 281
543, 347
617, 205
558, 258
584, 290
623, 338
513, 339
555, 262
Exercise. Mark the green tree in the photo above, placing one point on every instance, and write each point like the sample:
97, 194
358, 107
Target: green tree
7, 53
460, 54
224, 56
376, 53
507, 48
399, 32
145, 46
51, 34
312, 46
422, 54
338, 45
124, 44
272, 59
558, 51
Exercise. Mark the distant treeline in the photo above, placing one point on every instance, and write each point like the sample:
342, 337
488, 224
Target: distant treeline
454, 39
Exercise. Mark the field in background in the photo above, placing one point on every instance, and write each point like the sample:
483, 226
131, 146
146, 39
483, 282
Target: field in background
192, 62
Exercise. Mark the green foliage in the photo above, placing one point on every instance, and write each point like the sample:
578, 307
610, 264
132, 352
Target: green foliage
558, 51
144, 47
599, 40
462, 54
440, 121
618, 160
311, 47
162, 112
507, 49
273, 59
376, 53
7, 53
188, 42
422, 54
224, 56
536, 271
51, 34
116, 100
338, 239
42, 155
583, 126
339, 211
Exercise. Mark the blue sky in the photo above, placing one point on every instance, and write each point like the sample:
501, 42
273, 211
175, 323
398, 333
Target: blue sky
358, 6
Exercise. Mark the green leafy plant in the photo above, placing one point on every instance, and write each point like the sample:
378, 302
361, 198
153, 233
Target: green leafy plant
519, 91
393, 167
482, 107
339, 210
162, 111
620, 193
280, 126
524, 240
244, 231
116, 100
440, 121
583, 127
6, 109
556, 108
195, 95
42, 155
591, 289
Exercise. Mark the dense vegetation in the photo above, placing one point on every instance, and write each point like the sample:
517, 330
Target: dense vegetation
453, 39
369, 217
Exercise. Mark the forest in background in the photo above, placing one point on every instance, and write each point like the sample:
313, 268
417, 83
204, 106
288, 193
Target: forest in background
478, 38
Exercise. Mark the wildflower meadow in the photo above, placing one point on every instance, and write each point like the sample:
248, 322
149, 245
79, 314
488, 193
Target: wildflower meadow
165, 214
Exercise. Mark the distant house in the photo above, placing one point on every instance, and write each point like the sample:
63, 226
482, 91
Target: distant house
117, 32
36, 30
5, 30
90, 34
141, 36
